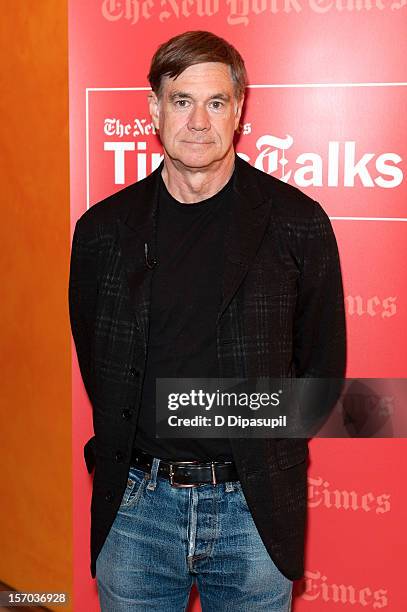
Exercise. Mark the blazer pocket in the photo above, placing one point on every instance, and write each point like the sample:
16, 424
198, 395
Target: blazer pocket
291, 452
269, 282
223, 341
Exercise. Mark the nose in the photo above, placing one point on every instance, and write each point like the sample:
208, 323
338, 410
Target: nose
198, 119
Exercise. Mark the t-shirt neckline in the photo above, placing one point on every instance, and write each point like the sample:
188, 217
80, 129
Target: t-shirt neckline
186, 206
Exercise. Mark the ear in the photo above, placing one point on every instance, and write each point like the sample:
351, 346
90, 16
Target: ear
238, 111
154, 107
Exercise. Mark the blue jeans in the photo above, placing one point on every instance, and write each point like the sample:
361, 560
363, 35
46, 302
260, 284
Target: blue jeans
165, 539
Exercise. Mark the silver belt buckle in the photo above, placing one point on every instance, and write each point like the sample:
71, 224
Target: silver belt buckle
181, 486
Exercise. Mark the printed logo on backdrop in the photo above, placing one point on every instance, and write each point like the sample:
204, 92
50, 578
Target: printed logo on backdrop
300, 148
307, 169
321, 589
140, 129
371, 306
270, 157
321, 494
236, 12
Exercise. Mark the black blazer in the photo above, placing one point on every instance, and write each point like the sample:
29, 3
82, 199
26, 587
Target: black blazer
282, 314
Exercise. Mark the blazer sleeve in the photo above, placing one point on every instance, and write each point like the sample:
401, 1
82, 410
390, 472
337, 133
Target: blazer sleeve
319, 322
83, 292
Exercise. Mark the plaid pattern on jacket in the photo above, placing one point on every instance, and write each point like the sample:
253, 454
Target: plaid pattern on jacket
282, 315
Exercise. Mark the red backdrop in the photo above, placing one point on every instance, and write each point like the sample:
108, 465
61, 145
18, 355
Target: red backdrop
328, 88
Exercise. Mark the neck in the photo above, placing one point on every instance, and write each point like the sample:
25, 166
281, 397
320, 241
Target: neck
191, 185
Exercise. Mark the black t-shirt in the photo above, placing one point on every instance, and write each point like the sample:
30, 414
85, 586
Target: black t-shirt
185, 299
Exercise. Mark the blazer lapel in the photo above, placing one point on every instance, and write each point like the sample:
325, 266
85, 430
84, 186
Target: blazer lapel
250, 213
137, 239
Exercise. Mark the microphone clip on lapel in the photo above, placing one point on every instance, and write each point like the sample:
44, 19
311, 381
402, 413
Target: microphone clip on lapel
150, 264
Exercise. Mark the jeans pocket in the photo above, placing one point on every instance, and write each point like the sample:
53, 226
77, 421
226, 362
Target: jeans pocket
136, 481
241, 500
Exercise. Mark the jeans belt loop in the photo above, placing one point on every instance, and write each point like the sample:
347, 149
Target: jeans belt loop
213, 473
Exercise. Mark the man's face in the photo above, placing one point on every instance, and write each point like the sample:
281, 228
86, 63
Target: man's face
197, 114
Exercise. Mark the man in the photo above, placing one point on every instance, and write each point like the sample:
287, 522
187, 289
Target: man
206, 268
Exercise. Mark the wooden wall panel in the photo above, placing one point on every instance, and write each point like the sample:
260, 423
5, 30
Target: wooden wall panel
35, 358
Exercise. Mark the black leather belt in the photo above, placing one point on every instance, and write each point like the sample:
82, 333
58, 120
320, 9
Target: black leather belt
187, 473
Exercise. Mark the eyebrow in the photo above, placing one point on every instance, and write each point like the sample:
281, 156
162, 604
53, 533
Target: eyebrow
183, 94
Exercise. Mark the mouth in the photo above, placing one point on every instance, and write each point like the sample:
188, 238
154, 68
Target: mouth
197, 143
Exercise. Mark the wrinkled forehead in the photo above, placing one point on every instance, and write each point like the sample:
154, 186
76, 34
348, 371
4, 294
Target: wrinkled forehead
212, 77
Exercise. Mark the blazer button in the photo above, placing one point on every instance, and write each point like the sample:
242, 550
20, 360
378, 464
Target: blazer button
119, 456
109, 496
133, 372
126, 414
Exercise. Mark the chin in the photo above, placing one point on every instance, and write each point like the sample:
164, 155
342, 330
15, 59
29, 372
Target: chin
198, 161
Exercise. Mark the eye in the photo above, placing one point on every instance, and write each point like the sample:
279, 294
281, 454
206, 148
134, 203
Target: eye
217, 104
181, 103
